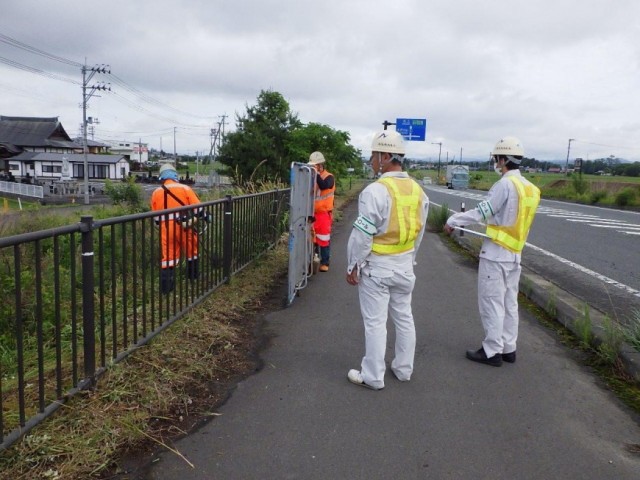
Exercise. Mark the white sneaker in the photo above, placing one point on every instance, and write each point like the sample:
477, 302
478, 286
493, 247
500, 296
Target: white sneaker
355, 377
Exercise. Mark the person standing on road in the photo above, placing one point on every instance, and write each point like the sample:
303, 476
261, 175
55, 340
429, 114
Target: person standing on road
177, 234
322, 209
392, 213
508, 212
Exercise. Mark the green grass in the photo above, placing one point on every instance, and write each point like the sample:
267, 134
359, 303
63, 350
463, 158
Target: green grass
163, 389
587, 189
13, 205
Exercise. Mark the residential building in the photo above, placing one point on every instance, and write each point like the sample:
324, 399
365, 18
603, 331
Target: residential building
36, 149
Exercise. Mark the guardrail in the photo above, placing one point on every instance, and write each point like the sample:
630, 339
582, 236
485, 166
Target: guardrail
78, 298
22, 189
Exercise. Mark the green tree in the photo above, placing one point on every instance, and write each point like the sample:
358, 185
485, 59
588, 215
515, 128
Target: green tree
334, 145
258, 148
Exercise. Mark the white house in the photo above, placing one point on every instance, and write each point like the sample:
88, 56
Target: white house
35, 149
134, 151
67, 166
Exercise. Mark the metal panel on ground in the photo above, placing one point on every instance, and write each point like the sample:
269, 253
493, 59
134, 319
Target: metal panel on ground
303, 179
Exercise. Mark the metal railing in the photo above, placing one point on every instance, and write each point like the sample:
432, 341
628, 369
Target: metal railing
22, 189
79, 298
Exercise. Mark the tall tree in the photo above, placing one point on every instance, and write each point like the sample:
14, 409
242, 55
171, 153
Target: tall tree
258, 148
334, 145
269, 138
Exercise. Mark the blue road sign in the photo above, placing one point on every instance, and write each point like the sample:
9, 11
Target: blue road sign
412, 129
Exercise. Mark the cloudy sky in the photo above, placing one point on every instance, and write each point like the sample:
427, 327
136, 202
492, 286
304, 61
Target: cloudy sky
544, 71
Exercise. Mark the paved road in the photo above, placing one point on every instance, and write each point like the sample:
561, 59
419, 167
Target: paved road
590, 251
545, 416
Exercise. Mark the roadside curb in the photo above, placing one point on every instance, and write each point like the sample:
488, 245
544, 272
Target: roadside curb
566, 309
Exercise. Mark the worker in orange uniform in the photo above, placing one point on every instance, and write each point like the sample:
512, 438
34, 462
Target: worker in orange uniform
322, 209
177, 234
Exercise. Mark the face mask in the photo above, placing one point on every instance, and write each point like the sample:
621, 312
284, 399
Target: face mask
497, 169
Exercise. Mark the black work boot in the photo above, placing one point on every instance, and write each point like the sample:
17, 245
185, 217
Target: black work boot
167, 280
481, 357
192, 269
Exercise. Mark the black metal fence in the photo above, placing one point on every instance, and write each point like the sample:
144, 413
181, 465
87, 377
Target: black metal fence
76, 299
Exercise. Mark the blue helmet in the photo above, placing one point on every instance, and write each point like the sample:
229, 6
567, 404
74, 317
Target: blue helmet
168, 172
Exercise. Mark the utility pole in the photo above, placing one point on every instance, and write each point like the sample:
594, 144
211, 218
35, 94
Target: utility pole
223, 124
439, 153
140, 151
175, 158
85, 98
460, 155
566, 168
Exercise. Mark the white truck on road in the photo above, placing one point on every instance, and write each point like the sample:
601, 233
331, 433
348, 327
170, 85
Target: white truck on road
457, 177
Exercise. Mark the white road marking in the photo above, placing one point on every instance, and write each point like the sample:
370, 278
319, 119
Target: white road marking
585, 270
568, 215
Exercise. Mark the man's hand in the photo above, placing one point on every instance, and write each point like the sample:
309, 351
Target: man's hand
448, 229
352, 278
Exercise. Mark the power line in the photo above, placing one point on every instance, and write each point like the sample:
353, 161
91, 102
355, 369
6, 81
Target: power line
37, 71
146, 98
603, 145
135, 106
18, 44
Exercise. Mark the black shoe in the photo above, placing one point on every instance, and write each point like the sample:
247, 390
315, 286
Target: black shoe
481, 357
509, 357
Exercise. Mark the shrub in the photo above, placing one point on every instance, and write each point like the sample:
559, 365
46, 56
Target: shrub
598, 196
631, 330
128, 193
580, 185
438, 217
625, 197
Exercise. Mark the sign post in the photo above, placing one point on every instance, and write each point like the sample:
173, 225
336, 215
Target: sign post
412, 129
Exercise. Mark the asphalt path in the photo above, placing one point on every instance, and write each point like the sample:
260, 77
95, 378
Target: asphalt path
592, 252
546, 416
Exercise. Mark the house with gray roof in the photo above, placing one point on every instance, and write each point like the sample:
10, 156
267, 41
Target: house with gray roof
37, 149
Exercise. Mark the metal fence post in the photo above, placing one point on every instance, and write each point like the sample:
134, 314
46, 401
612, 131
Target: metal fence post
227, 239
88, 306
462, 209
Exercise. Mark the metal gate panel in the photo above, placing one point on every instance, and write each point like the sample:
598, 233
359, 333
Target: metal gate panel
303, 179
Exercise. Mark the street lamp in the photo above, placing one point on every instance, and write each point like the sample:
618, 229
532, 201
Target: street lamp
566, 167
439, 153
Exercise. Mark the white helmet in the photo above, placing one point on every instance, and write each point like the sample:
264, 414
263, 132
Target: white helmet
316, 158
167, 166
509, 146
388, 141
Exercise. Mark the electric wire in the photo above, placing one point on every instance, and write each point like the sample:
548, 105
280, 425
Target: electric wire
18, 44
37, 71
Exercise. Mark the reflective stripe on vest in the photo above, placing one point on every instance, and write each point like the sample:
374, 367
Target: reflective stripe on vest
513, 237
323, 201
405, 221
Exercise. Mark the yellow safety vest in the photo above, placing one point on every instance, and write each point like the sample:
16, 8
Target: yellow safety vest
405, 221
513, 237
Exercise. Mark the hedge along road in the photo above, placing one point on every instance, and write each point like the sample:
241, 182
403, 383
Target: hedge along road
591, 252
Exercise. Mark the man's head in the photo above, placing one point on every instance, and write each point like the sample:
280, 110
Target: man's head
168, 172
316, 159
507, 154
387, 151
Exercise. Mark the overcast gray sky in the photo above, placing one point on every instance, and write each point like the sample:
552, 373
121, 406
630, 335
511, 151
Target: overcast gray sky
544, 71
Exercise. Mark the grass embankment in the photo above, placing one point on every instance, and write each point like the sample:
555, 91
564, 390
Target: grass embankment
164, 389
